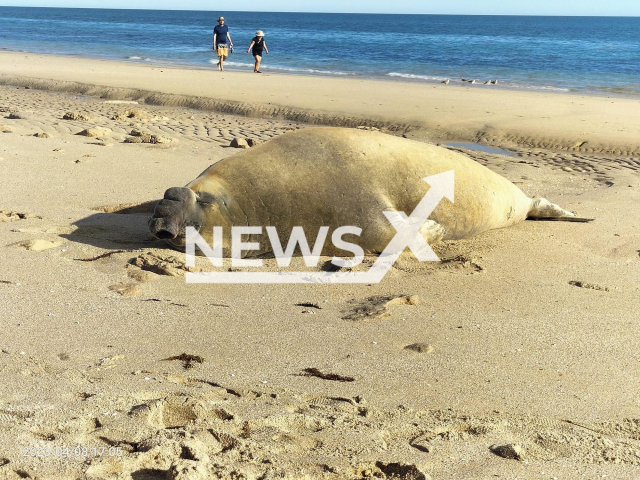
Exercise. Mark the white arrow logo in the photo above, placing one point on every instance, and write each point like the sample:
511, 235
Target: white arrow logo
408, 228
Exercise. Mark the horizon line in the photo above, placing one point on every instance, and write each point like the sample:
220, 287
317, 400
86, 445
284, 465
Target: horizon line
332, 13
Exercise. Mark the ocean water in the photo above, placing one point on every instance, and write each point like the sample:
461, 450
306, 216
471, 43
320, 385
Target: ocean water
594, 54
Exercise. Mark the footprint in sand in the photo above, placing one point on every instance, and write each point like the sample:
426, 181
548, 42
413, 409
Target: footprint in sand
420, 347
169, 265
11, 216
38, 245
171, 412
377, 307
462, 261
188, 469
140, 275
126, 289
405, 471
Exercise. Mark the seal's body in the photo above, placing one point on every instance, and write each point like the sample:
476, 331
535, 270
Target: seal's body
341, 177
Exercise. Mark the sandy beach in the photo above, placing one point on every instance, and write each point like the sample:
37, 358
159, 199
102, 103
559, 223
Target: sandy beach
476, 113
527, 336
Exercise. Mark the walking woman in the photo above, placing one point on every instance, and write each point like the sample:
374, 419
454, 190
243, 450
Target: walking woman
257, 46
220, 38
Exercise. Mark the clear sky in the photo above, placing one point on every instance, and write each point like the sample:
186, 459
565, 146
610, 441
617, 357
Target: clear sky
469, 7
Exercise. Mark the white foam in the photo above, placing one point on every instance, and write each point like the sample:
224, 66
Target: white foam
311, 70
415, 77
231, 63
135, 57
521, 86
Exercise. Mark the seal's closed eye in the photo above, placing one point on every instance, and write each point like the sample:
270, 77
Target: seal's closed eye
205, 197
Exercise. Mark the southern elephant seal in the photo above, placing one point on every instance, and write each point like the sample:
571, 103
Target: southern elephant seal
341, 177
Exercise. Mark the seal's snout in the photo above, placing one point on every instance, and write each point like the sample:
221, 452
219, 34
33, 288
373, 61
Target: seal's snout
173, 213
178, 210
163, 228
165, 235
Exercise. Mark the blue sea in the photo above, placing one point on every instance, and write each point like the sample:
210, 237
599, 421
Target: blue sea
593, 54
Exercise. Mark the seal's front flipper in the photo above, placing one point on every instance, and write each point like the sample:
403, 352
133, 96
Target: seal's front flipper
543, 209
432, 232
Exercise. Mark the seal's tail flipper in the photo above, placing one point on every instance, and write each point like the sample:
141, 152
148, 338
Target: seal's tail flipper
543, 209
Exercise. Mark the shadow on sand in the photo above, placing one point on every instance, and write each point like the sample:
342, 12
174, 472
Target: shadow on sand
122, 227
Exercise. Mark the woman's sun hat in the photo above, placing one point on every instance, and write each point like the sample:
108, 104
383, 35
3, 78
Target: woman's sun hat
220, 18
259, 33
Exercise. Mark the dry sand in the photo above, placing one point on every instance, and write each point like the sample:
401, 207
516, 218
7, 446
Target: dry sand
527, 362
495, 116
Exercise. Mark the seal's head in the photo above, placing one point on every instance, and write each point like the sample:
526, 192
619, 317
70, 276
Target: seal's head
180, 208
202, 205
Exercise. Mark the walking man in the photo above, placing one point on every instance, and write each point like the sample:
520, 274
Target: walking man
221, 42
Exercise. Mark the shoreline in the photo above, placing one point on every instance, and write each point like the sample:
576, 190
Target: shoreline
433, 112
233, 66
390, 76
